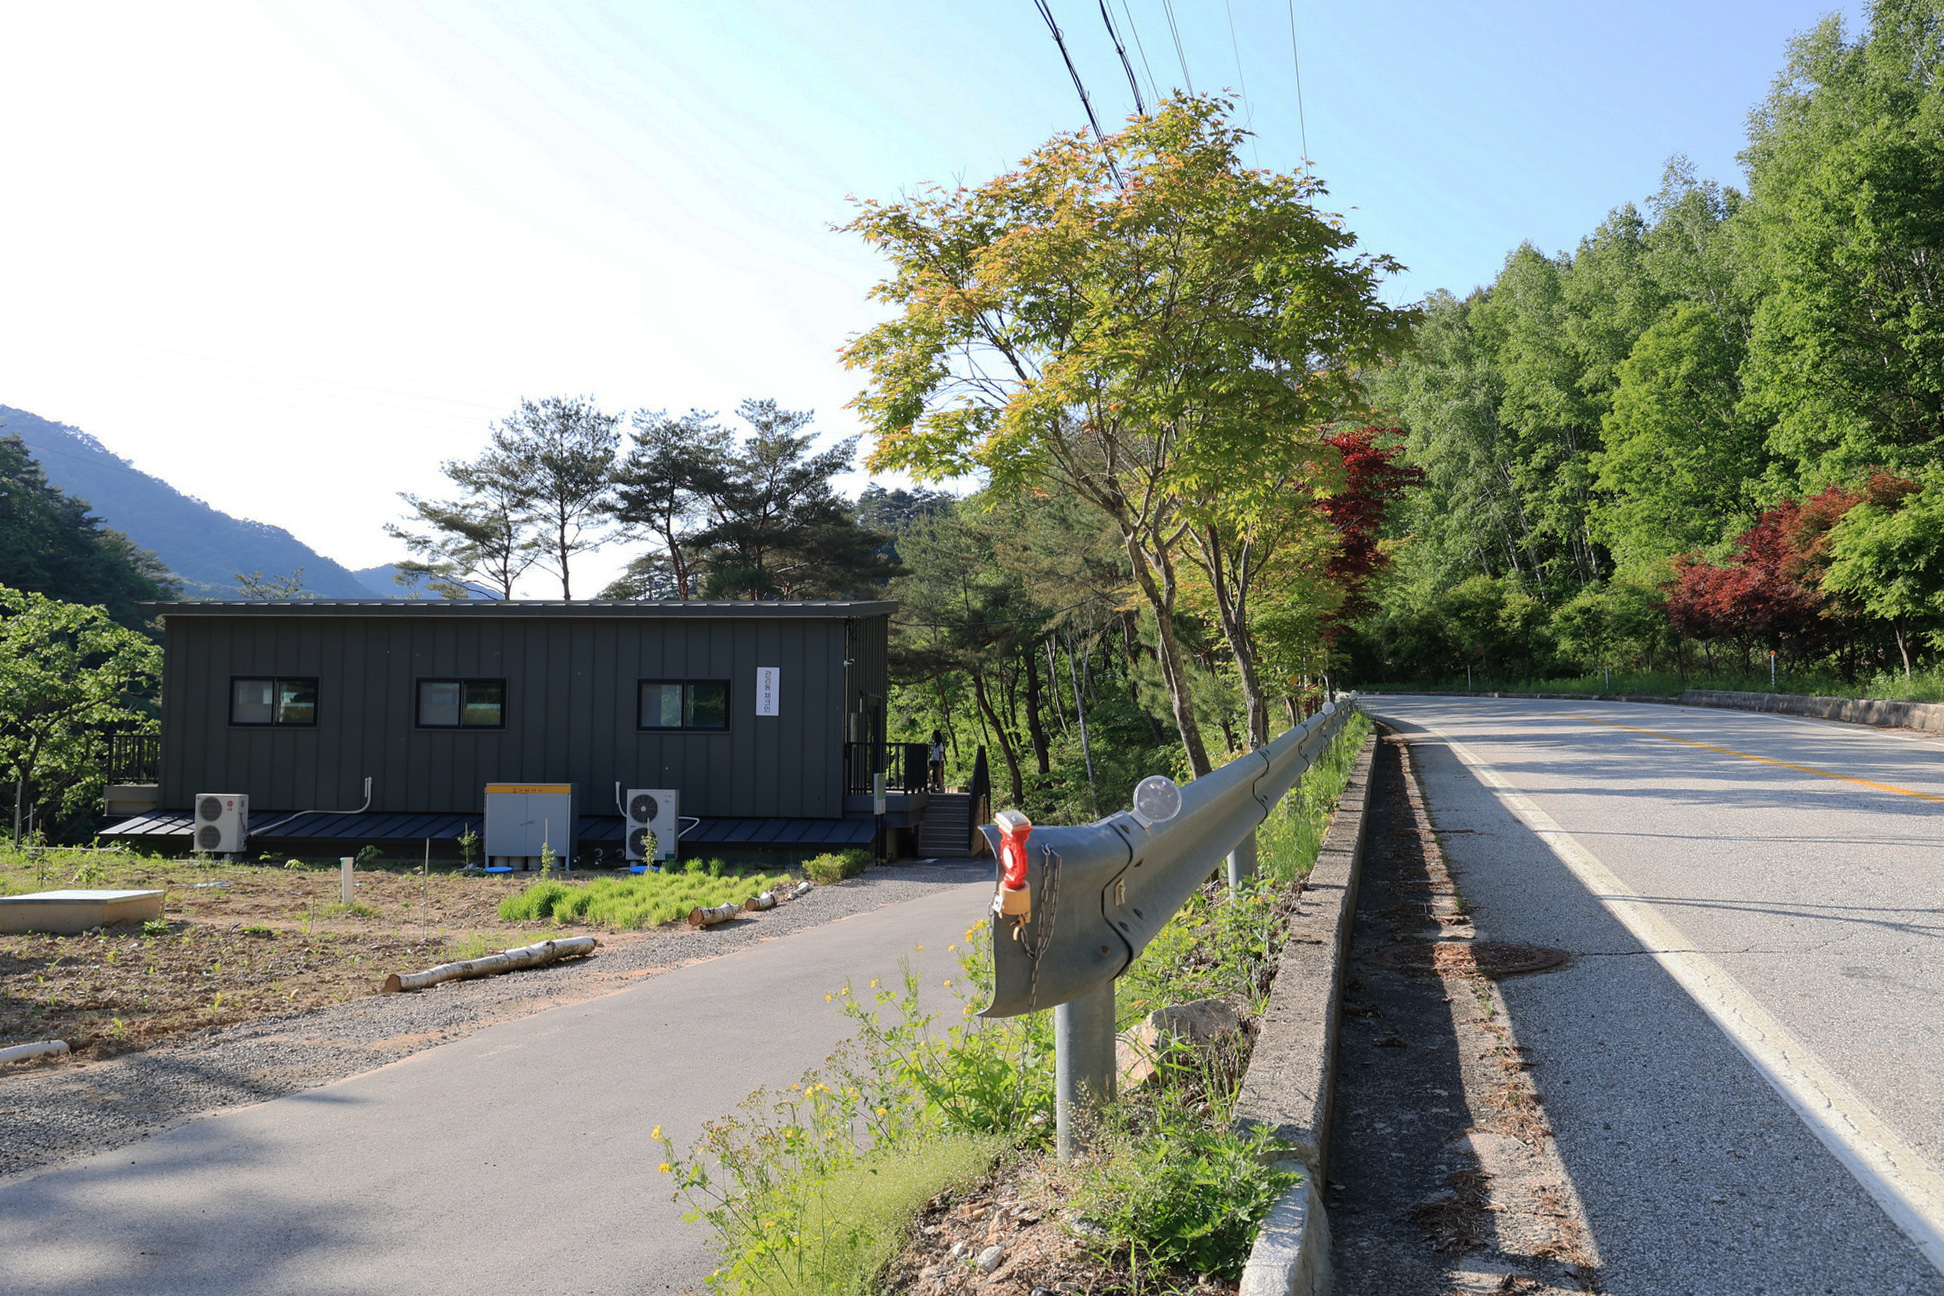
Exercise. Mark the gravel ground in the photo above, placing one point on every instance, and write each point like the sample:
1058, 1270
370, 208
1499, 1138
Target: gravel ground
54, 1111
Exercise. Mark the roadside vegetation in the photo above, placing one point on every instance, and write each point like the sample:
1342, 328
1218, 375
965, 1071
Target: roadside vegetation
933, 1124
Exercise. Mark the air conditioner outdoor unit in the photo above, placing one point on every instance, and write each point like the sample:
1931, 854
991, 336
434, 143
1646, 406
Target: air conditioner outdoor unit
652, 810
222, 822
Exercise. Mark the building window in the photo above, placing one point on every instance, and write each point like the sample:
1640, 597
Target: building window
684, 704
273, 702
462, 704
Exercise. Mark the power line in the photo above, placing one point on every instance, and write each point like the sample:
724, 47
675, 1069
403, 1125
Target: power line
1297, 59
1242, 79
1046, 12
1154, 87
1167, 7
1121, 50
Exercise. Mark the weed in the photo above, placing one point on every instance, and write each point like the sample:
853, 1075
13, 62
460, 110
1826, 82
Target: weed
811, 1190
468, 846
476, 945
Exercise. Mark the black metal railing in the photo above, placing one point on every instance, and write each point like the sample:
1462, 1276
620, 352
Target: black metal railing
132, 758
905, 766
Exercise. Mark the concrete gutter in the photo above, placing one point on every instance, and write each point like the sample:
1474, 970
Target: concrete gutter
1292, 1069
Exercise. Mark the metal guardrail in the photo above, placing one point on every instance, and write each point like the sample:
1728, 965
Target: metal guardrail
1101, 891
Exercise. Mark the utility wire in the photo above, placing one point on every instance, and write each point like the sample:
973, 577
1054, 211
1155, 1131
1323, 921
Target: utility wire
1297, 59
1242, 79
1154, 87
1046, 12
1121, 50
1167, 7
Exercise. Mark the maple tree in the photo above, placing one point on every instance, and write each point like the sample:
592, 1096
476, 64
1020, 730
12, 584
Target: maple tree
1151, 346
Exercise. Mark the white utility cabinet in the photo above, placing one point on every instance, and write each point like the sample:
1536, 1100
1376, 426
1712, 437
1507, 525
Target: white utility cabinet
523, 819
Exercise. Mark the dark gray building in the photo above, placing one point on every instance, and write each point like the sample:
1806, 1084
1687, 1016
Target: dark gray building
767, 717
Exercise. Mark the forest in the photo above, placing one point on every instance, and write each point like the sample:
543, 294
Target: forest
1708, 433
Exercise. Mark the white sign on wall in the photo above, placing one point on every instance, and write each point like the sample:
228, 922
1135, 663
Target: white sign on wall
767, 689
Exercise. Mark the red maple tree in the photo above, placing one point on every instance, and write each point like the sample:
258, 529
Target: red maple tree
1375, 478
1769, 592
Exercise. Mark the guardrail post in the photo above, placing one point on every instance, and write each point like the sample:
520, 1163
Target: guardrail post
1242, 862
1083, 1051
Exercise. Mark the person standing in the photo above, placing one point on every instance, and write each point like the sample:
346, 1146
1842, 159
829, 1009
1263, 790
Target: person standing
937, 761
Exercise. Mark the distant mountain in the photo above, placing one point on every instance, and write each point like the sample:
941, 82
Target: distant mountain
204, 547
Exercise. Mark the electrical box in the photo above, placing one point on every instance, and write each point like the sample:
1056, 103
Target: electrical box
525, 820
222, 822
653, 811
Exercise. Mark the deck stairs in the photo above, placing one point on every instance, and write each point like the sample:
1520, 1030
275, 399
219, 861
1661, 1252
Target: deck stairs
946, 832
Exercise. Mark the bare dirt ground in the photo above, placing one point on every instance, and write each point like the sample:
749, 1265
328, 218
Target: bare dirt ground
238, 942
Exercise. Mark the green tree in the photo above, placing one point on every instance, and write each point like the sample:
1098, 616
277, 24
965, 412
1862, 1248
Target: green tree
1683, 464
1889, 559
663, 490
778, 527
262, 588
1138, 345
1846, 215
68, 675
562, 450
481, 537
49, 544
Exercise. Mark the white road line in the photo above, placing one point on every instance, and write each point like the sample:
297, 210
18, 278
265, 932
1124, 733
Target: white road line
1908, 1188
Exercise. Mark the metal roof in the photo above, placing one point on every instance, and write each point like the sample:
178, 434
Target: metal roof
596, 830
519, 608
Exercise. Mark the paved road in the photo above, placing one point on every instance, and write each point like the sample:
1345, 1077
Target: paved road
1744, 1062
517, 1159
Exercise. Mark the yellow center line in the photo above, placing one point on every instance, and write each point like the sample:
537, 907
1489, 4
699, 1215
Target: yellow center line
1730, 751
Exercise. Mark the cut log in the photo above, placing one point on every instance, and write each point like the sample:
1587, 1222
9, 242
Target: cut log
492, 964
710, 917
798, 891
39, 1048
757, 903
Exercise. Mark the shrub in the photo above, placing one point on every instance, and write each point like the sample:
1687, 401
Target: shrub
836, 866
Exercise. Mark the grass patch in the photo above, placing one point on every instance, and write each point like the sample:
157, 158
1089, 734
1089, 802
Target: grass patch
836, 866
640, 900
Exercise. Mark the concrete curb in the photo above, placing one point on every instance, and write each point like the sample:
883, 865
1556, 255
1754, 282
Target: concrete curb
1292, 1070
1536, 697
1879, 712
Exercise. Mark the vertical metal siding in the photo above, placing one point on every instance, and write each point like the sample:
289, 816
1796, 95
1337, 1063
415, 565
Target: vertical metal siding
571, 710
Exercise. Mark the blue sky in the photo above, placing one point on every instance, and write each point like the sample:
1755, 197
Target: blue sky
289, 256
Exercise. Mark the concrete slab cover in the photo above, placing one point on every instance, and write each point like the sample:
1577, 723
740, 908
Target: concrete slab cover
67, 912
